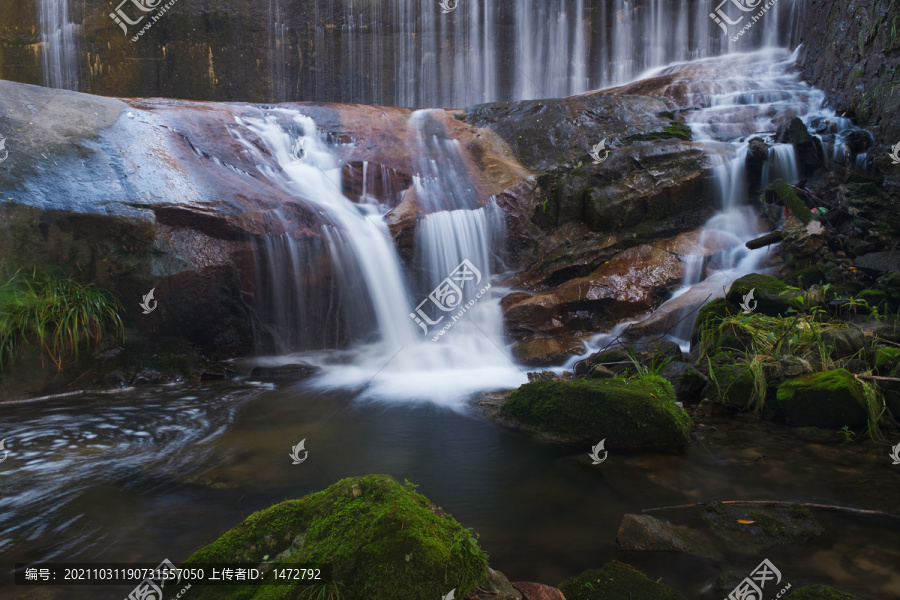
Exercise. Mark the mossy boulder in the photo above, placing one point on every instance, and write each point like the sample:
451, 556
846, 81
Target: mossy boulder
773, 297
616, 581
731, 385
830, 399
819, 592
384, 541
629, 414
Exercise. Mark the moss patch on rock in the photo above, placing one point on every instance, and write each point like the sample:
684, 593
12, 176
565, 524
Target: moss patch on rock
383, 539
673, 130
635, 413
616, 581
819, 592
731, 385
830, 399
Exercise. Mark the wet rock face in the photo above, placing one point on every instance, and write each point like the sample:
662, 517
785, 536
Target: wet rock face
852, 59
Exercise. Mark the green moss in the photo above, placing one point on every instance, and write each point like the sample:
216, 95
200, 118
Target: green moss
384, 541
616, 581
771, 296
791, 200
830, 399
673, 130
819, 592
174, 356
886, 358
732, 385
798, 511
637, 413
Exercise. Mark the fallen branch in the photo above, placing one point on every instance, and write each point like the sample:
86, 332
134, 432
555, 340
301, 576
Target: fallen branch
858, 511
879, 378
766, 240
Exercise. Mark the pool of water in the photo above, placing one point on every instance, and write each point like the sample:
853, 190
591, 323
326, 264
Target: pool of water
143, 475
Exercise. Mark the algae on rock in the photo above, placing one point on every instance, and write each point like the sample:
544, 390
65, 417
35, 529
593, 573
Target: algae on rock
630, 414
384, 541
616, 581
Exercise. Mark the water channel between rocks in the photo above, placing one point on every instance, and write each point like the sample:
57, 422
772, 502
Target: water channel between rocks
143, 475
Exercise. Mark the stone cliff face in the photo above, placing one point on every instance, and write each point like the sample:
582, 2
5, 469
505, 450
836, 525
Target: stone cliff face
851, 50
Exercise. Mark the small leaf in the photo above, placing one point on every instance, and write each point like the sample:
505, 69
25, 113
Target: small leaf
745, 522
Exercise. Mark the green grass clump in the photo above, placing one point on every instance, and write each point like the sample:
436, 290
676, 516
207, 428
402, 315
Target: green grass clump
60, 315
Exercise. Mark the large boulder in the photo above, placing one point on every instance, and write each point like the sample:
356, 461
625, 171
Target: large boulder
383, 540
632, 414
831, 399
616, 581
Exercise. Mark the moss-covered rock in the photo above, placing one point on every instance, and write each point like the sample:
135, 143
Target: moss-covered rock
773, 297
384, 541
819, 592
710, 314
886, 359
830, 399
616, 581
634, 413
731, 385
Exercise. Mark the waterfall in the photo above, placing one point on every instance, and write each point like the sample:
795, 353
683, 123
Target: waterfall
59, 48
372, 300
410, 53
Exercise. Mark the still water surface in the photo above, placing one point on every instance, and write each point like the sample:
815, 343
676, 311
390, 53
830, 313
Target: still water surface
143, 475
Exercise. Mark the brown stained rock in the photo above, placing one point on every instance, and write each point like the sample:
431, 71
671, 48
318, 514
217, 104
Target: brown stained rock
537, 591
402, 222
543, 352
378, 181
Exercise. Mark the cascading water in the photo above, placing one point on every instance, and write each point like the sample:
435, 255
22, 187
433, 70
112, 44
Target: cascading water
742, 96
388, 354
59, 48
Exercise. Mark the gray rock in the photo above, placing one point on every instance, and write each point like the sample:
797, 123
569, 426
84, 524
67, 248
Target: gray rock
646, 533
290, 371
844, 343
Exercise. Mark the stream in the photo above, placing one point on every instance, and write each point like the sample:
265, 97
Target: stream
142, 475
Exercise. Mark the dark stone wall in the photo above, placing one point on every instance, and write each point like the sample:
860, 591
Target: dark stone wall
851, 50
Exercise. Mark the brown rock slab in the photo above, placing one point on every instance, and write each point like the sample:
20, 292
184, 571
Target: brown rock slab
537, 591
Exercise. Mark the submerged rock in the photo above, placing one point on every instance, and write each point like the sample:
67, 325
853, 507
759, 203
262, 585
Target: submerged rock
830, 399
633, 414
291, 371
383, 540
751, 527
647, 533
616, 581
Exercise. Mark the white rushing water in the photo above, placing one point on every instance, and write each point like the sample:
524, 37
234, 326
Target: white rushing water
59, 48
391, 357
